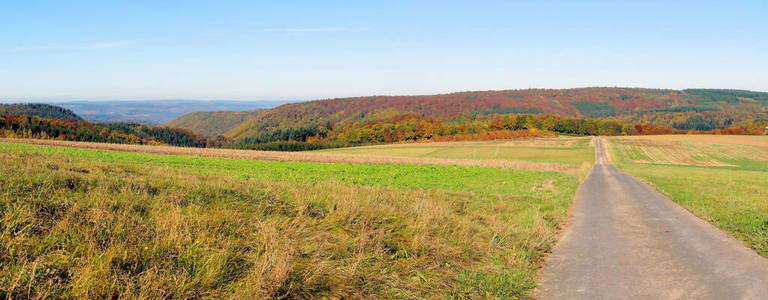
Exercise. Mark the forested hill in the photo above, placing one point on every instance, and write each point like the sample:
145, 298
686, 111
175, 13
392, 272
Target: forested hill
42, 121
212, 123
699, 109
39, 110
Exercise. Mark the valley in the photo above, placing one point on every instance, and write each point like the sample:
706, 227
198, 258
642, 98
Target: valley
358, 198
403, 150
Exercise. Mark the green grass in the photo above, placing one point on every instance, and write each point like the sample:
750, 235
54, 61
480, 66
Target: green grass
733, 197
430, 177
740, 157
96, 224
562, 150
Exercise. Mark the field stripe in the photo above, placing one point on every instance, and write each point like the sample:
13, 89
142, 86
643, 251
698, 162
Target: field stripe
307, 156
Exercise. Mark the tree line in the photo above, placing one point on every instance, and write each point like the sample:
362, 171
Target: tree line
412, 128
381, 129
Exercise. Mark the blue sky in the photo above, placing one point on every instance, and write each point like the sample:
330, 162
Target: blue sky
252, 50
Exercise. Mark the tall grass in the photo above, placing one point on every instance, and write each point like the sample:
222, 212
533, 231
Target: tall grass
73, 227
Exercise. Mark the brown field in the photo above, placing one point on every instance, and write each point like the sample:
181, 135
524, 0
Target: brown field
309, 156
693, 150
560, 150
667, 152
526, 142
711, 139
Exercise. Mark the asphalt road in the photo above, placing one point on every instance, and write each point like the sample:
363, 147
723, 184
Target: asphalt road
627, 241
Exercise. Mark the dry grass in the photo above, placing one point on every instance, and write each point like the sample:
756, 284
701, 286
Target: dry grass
651, 151
692, 150
76, 228
710, 139
310, 156
576, 152
562, 141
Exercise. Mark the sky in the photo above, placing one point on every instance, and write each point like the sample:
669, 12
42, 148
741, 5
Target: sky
290, 50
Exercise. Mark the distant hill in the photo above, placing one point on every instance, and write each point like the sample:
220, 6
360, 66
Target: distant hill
43, 121
700, 109
39, 110
156, 111
212, 123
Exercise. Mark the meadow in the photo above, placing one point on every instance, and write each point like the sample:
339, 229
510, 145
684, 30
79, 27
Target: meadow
562, 150
95, 223
721, 179
313, 156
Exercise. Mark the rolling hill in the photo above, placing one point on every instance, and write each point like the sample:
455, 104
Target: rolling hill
700, 109
39, 110
43, 121
212, 123
156, 111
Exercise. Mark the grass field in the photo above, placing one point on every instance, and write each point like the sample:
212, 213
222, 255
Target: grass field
722, 179
97, 224
563, 150
313, 156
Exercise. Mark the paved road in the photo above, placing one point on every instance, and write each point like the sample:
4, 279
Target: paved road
627, 241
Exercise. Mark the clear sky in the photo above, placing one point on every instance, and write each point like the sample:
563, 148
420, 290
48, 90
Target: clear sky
252, 50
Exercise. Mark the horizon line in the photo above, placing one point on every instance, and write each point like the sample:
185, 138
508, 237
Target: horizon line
37, 99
